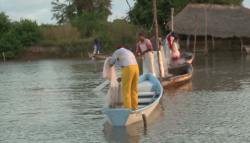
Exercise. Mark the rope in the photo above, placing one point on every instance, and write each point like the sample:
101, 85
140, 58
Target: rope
138, 21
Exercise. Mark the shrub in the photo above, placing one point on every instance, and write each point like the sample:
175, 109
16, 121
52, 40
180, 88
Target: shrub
10, 44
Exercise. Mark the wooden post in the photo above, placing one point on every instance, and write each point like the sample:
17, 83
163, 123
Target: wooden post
242, 45
195, 33
81, 55
172, 18
3, 57
206, 31
188, 42
213, 41
157, 38
144, 120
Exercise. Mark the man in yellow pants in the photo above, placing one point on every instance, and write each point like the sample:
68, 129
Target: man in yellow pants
129, 77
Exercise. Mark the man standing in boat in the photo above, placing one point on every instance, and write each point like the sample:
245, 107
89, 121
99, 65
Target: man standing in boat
145, 49
129, 76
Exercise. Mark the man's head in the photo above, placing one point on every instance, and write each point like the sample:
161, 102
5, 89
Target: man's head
141, 37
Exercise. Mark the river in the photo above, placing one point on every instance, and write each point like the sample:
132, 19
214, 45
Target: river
50, 101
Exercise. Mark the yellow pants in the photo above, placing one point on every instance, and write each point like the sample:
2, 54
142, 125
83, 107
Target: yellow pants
130, 78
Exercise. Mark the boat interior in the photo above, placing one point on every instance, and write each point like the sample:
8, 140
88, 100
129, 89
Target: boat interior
147, 93
187, 56
179, 70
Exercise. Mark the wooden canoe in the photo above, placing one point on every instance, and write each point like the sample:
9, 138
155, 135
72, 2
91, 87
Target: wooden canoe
149, 94
188, 57
247, 47
98, 57
179, 74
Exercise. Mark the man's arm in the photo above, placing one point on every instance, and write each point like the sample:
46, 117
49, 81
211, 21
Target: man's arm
145, 51
113, 60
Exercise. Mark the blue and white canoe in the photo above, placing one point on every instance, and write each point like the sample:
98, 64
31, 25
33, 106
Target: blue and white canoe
149, 94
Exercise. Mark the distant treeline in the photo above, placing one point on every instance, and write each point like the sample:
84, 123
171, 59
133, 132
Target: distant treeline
72, 38
78, 23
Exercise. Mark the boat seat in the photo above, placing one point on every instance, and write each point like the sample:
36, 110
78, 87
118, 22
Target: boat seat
144, 100
146, 94
147, 97
145, 86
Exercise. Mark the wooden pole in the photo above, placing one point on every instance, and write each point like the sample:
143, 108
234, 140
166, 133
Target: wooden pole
242, 45
172, 18
206, 31
188, 42
3, 57
81, 55
195, 33
213, 41
144, 120
157, 38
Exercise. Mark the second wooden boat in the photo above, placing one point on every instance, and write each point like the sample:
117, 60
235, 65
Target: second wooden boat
178, 74
187, 57
98, 56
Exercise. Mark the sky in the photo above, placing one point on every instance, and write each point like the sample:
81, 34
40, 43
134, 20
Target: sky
40, 10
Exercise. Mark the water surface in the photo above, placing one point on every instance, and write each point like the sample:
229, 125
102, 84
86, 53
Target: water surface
51, 101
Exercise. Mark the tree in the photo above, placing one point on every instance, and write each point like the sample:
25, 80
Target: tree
10, 44
5, 23
88, 22
143, 9
17, 35
27, 31
71, 9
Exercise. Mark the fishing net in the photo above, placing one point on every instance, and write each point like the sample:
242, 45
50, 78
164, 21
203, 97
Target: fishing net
165, 64
114, 95
157, 72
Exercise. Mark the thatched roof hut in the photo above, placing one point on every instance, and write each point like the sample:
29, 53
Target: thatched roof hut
223, 21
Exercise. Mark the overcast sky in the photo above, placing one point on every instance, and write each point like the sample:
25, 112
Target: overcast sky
40, 10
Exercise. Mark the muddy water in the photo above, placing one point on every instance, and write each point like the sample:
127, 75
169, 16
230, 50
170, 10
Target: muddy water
51, 101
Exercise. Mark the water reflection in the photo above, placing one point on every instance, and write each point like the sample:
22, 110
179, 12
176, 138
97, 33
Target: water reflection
248, 58
132, 133
180, 87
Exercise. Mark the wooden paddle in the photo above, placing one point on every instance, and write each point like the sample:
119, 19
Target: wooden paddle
101, 86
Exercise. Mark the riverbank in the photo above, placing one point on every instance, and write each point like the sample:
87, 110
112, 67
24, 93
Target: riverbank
56, 52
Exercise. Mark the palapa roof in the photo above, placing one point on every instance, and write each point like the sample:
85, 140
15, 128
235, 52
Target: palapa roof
223, 21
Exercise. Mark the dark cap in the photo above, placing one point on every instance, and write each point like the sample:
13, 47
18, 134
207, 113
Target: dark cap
172, 34
141, 34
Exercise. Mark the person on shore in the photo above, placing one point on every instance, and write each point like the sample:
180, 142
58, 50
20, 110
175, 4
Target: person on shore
96, 45
129, 76
145, 49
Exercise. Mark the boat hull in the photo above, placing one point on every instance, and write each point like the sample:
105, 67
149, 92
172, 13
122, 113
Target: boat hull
98, 57
124, 117
177, 77
188, 57
247, 49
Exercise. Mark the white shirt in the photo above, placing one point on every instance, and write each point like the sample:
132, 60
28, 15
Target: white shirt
124, 58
